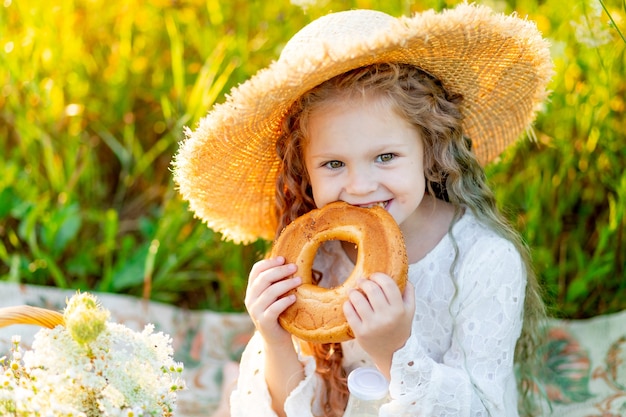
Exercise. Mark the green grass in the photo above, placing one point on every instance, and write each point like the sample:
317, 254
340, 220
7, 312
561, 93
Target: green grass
567, 191
94, 96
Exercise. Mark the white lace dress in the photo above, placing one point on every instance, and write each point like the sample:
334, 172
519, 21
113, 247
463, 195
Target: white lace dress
459, 358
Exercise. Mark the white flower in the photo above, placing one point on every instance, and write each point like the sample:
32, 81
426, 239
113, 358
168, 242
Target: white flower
590, 30
85, 318
91, 367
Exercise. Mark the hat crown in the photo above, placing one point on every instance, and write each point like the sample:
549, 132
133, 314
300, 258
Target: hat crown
334, 30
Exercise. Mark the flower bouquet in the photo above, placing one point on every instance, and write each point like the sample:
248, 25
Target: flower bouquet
83, 365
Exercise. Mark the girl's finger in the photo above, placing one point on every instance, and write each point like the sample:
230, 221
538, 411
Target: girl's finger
408, 297
260, 297
388, 285
359, 305
267, 277
264, 264
381, 291
350, 313
280, 305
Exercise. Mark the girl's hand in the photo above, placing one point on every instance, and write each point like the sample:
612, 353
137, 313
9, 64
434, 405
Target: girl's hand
265, 297
381, 317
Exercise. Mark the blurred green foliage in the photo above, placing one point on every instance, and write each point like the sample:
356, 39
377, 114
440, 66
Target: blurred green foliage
95, 94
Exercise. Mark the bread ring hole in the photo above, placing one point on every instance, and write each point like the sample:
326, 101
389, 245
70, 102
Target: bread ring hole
337, 279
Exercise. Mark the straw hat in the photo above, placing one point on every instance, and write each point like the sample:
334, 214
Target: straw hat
501, 65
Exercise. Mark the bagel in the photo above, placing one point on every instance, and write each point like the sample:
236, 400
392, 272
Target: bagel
317, 314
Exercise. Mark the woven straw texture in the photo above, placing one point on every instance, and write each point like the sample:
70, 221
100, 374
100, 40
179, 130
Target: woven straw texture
226, 168
30, 315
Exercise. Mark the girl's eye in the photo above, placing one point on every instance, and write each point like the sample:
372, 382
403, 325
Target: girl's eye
334, 164
386, 157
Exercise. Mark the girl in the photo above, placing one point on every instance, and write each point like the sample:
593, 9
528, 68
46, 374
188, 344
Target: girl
371, 110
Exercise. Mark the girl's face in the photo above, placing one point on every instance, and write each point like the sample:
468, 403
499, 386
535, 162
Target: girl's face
364, 153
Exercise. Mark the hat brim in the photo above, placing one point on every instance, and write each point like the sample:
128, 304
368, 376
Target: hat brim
226, 168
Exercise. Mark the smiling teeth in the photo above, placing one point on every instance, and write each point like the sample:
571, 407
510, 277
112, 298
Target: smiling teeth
382, 204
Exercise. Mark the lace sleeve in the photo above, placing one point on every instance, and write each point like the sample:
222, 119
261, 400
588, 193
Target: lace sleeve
251, 397
474, 375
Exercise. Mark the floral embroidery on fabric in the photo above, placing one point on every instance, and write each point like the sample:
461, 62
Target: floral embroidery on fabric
614, 375
579, 384
565, 377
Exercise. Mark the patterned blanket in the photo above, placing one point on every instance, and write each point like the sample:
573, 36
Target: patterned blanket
585, 367
584, 373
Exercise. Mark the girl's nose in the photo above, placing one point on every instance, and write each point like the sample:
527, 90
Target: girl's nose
361, 182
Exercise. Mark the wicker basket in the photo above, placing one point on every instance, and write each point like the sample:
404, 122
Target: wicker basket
30, 315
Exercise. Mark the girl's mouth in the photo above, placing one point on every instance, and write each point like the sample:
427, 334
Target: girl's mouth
382, 204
